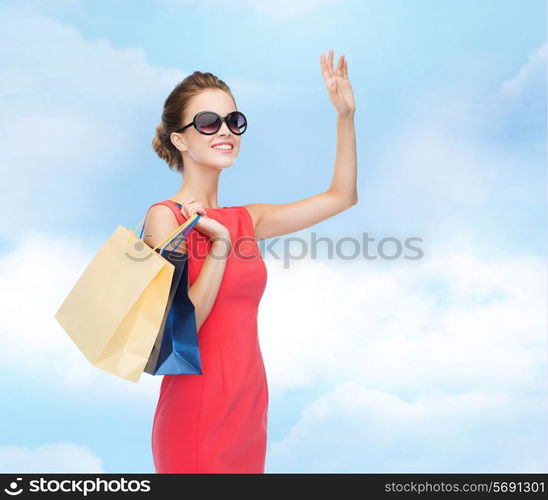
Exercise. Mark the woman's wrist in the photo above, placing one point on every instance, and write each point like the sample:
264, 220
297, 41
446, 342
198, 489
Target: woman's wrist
221, 237
347, 117
220, 246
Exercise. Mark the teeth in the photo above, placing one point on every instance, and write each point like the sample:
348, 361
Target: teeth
223, 146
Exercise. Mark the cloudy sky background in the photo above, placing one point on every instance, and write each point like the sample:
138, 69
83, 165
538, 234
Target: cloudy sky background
429, 365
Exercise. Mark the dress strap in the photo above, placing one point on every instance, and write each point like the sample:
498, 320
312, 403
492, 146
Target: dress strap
181, 219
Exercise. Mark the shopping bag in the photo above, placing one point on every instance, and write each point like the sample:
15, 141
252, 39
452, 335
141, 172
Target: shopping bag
114, 311
176, 350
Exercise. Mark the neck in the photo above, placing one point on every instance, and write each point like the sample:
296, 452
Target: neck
201, 183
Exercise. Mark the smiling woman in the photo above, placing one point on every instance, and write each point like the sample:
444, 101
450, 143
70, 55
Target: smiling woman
217, 422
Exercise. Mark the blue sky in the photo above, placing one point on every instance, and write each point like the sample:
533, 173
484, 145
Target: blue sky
407, 358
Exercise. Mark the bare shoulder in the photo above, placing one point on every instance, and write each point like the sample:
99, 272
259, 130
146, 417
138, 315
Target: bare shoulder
256, 211
159, 223
259, 213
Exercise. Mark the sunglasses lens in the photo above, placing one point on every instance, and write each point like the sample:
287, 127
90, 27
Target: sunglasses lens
209, 123
237, 122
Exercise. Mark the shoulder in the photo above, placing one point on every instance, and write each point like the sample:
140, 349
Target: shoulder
254, 211
159, 223
161, 214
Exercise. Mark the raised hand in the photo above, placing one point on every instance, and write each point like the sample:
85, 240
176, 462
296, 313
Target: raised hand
338, 84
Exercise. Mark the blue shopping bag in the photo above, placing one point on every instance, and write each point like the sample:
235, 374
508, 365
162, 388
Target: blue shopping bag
176, 351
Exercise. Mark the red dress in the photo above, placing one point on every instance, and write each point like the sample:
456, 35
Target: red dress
217, 422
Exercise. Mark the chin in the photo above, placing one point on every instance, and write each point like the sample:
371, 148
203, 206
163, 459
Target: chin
223, 164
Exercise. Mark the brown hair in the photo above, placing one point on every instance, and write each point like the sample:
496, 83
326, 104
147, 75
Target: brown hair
172, 115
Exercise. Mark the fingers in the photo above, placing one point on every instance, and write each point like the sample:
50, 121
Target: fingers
191, 206
327, 66
330, 63
340, 65
327, 69
185, 208
324, 68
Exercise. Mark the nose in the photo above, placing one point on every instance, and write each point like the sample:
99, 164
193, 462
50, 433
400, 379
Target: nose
224, 130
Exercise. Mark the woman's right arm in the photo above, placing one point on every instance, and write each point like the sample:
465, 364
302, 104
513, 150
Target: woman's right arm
160, 222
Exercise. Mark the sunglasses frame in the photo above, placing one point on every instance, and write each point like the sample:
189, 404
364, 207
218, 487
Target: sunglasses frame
223, 119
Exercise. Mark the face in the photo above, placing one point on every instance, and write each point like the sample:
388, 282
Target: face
199, 146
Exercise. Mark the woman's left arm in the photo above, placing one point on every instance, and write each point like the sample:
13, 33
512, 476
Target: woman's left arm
271, 219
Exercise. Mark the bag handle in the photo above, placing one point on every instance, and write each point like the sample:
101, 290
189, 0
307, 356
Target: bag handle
185, 231
184, 235
171, 236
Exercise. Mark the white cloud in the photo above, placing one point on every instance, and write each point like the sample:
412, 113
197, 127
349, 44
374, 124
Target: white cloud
517, 110
403, 327
71, 110
35, 278
414, 359
530, 80
49, 458
447, 323
356, 428
409, 355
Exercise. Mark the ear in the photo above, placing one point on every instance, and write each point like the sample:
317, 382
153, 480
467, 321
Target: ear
178, 142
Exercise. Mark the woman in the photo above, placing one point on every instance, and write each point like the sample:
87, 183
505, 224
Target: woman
217, 422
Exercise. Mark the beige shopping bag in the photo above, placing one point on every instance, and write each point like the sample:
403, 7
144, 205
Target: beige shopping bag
115, 310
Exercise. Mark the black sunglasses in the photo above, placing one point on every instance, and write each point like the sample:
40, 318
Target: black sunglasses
209, 122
